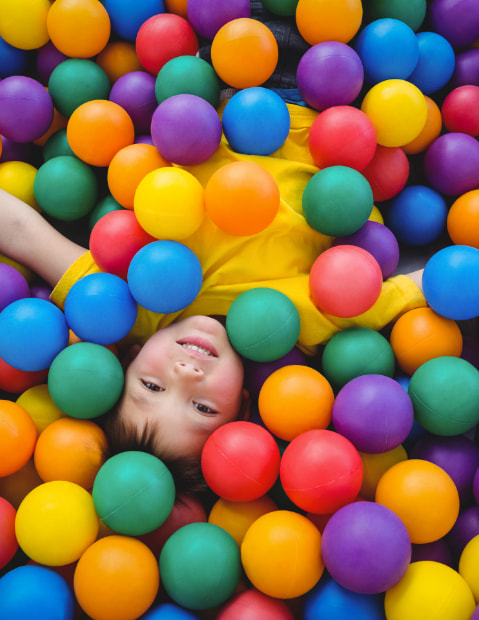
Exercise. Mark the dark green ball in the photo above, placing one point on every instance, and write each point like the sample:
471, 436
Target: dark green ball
56, 145
411, 12
187, 75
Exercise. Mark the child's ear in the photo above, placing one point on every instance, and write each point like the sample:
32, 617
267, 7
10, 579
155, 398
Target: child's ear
130, 356
245, 408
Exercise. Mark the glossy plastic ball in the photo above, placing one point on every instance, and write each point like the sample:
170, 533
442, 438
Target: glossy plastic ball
251, 604
387, 172
463, 220
8, 540
431, 130
331, 20
118, 58
208, 17
24, 24
457, 22
13, 285
187, 75
134, 91
15, 381
126, 16
435, 65
39, 404
13, 59
459, 110
168, 611
18, 437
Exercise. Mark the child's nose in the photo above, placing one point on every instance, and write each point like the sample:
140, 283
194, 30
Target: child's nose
188, 370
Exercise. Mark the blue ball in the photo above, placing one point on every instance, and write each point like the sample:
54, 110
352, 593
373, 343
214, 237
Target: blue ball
38, 592
32, 333
99, 308
417, 215
388, 49
330, 600
168, 611
165, 276
435, 64
450, 282
256, 121
127, 16
12, 59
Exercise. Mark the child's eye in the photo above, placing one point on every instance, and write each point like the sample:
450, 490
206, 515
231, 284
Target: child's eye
203, 408
152, 386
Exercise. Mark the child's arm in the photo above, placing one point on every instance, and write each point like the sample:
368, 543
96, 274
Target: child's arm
26, 237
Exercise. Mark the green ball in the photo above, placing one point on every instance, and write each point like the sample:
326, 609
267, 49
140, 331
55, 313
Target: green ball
354, 352
445, 394
286, 8
76, 81
263, 324
187, 75
411, 12
200, 566
85, 380
337, 201
133, 493
66, 188
106, 205
56, 145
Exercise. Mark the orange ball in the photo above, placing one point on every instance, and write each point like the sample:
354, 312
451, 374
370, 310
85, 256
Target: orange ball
98, 129
328, 20
242, 198
118, 58
420, 335
18, 435
423, 496
177, 6
128, 167
463, 219
78, 28
430, 131
244, 53
15, 487
236, 517
71, 449
116, 578
295, 399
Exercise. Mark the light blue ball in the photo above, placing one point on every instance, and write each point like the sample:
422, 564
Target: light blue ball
435, 64
256, 121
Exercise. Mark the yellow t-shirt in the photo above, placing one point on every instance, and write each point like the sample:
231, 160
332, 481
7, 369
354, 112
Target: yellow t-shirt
279, 257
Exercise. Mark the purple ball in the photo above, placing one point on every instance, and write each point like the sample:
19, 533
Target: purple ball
144, 139
451, 164
374, 412
26, 108
329, 74
436, 551
256, 373
366, 547
456, 20
475, 614
457, 455
186, 129
475, 486
470, 350
135, 93
13, 285
208, 16
467, 68
48, 57
379, 241
41, 291
463, 530
15, 151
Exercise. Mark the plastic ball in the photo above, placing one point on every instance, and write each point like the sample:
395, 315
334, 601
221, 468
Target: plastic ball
263, 324
240, 461
13, 59
337, 200
18, 437
127, 16
430, 131
186, 129
464, 530
115, 239
463, 220
133, 493
281, 554
466, 68
412, 13
295, 399
447, 281
117, 578
168, 611
242, 198
15, 381
329, 20
118, 58
72, 450
244, 53
200, 566
187, 75
163, 37
57, 145
254, 605
387, 172
24, 23
13, 285
169, 203
451, 163
321, 471
388, 48
79, 28
17, 178
375, 465
458, 22
467, 562
173, 267
35, 591
256, 121
329, 74
420, 335
458, 110
435, 64
135, 93
39, 404
8, 540
336, 127
345, 281
423, 496
236, 517
445, 395
397, 109
208, 17
103, 207
430, 590
256, 373
32, 332
56, 523
27, 108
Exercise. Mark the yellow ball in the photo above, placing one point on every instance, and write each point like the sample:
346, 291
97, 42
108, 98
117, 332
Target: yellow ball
236, 517
23, 23
468, 564
56, 523
281, 554
398, 111
376, 215
429, 591
169, 203
17, 178
39, 404
375, 465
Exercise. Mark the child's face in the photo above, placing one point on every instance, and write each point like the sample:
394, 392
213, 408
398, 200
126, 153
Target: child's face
185, 382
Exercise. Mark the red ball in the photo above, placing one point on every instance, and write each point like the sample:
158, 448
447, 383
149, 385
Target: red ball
321, 471
115, 239
163, 37
240, 461
254, 605
345, 281
460, 110
342, 136
8, 540
15, 381
387, 172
